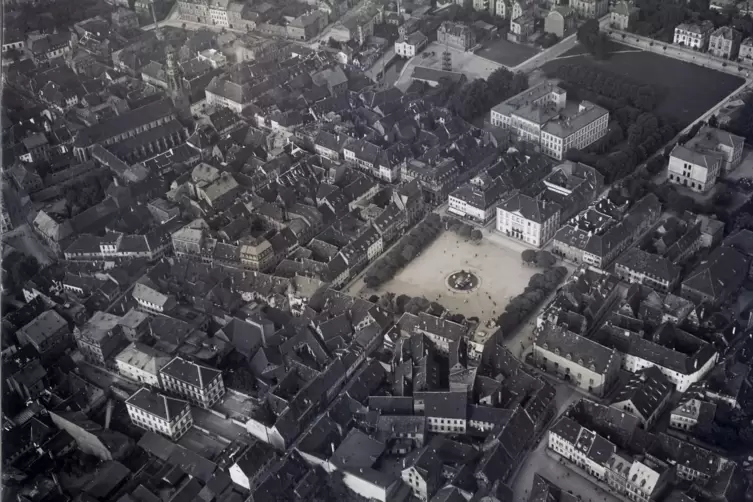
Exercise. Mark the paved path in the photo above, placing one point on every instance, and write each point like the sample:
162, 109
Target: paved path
553, 52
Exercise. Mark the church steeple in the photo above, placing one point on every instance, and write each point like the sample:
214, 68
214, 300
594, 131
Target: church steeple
173, 73
174, 78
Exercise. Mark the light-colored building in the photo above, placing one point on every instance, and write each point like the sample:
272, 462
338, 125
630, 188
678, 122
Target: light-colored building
697, 169
223, 92
141, 363
485, 5
307, 26
456, 35
218, 14
690, 413
649, 269
46, 333
695, 36
745, 52
502, 8
522, 27
532, 220
645, 395
592, 9
729, 145
411, 45
681, 368
639, 480
623, 14
560, 21
215, 58
158, 413
199, 384
577, 359
542, 116
196, 11
101, 338
477, 200
724, 42
151, 300
581, 446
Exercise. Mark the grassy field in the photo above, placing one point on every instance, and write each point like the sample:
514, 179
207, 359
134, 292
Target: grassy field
506, 53
689, 90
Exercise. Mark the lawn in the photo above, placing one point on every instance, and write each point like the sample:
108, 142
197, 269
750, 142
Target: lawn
689, 90
496, 263
507, 53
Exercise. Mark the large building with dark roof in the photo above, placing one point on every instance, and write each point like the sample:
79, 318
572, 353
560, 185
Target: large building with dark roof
599, 234
587, 364
646, 395
159, 413
683, 358
199, 384
716, 278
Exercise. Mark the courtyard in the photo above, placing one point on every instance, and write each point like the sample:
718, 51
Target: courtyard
681, 102
504, 52
464, 62
495, 260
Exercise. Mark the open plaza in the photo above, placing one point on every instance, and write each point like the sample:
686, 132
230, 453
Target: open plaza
496, 262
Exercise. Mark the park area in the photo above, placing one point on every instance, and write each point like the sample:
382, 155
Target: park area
497, 265
687, 90
506, 53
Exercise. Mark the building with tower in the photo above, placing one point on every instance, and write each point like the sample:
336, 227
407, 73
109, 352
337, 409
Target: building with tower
175, 86
408, 46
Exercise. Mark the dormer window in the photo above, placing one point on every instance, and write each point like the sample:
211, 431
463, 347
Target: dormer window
557, 351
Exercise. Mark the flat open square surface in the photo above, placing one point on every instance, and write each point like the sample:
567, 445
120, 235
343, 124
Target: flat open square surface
468, 63
689, 90
505, 52
498, 265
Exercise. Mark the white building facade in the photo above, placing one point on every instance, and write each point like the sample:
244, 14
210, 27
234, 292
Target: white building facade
695, 170
158, 413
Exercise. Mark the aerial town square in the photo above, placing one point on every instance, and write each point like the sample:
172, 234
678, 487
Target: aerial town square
377, 250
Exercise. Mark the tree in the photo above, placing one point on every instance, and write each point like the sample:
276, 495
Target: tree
400, 303
19, 268
592, 39
386, 301
476, 235
456, 318
465, 231
13, 54
722, 198
544, 259
528, 256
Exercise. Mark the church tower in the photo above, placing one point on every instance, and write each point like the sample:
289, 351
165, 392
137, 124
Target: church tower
174, 77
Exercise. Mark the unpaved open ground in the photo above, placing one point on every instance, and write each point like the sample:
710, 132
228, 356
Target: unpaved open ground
498, 266
468, 63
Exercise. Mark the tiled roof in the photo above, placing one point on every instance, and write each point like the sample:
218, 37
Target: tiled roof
191, 373
159, 405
